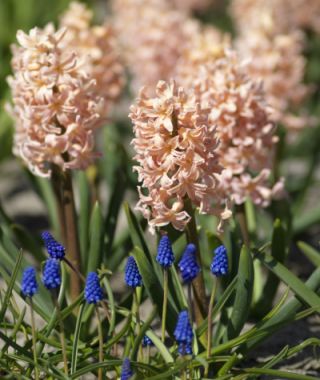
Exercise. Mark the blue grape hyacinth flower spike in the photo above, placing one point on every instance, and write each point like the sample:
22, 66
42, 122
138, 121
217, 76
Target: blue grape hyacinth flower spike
126, 372
132, 275
93, 291
51, 276
165, 256
189, 268
146, 341
29, 285
183, 333
219, 265
55, 249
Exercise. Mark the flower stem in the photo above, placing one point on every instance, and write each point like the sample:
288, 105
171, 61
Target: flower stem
190, 304
100, 373
241, 215
199, 294
62, 336
137, 314
209, 342
165, 303
34, 340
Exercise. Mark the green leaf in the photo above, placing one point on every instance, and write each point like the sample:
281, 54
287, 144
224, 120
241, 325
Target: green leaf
75, 346
243, 297
154, 288
296, 285
312, 254
279, 252
96, 239
303, 222
278, 374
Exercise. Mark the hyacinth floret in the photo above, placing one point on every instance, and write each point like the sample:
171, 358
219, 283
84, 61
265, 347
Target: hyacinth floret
146, 341
93, 291
51, 276
189, 268
29, 285
126, 371
165, 256
132, 275
219, 265
183, 333
54, 248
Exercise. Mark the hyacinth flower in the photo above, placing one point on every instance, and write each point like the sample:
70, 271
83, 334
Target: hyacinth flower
184, 335
133, 279
219, 267
93, 294
126, 372
165, 258
51, 278
29, 287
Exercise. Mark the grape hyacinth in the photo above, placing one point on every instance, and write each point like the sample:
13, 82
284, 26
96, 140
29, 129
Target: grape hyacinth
29, 285
189, 268
146, 341
165, 256
126, 372
93, 291
183, 333
219, 265
51, 276
132, 274
54, 248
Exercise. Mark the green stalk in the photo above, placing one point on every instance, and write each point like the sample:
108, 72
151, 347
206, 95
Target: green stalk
137, 314
165, 303
100, 372
241, 215
199, 293
34, 341
209, 342
62, 336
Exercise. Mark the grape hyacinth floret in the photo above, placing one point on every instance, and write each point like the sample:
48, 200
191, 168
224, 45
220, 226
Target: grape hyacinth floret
51, 276
189, 268
219, 265
93, 291
54, 248
29, 286
146, 341
183, 333
126, 372
165, 256
132, 274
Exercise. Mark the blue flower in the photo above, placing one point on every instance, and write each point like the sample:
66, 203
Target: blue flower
146, 341
183, 333
132, 274
188, 265
93, 291
51, 276
126, 372
165, 256
54, 248
29, 286
219, 265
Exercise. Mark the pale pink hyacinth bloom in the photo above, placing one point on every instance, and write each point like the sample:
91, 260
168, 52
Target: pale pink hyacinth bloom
97, 47
55, 105
152, 34
176, 150
242, 119
286, 15
278, 61
192, 5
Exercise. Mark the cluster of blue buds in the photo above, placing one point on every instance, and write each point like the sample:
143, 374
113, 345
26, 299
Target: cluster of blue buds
189, 268
219, 265
126, 371
51, 276
93, 291
132, 275
55, 249
146, 341
183, 333
29, 285
165, 256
